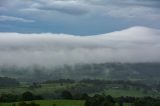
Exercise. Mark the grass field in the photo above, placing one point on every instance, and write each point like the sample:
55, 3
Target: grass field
46, 88
129, 92
57, 102
50, 88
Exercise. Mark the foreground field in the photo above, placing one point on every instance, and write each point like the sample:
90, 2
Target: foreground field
56, 102
52, 88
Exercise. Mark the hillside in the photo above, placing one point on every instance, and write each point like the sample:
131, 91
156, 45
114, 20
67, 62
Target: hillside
109, 71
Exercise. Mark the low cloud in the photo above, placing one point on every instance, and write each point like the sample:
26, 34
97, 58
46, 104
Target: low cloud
17, 19
137, 44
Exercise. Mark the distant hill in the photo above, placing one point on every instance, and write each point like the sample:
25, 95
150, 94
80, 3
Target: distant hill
8, 82
108, 71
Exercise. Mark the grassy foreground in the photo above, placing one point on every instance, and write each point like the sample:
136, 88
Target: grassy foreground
52, 102
58, 103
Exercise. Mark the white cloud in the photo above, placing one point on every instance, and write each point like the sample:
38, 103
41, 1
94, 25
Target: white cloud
137, 44
11, 18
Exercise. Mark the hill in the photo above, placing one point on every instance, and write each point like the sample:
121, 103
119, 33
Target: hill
108, 71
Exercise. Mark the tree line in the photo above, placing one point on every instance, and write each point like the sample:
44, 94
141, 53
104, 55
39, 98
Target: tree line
8, 82
26, 96
102, 100
96, 100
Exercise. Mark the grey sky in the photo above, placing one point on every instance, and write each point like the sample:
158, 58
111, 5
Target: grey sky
79, 17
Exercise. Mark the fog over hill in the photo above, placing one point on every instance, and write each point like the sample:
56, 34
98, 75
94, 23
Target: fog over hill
136, 44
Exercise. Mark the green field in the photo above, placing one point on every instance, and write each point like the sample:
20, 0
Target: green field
51, 88
129, 92
46, 88
57, 102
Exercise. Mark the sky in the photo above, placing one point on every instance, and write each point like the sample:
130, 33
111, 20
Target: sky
58, 32
77, 17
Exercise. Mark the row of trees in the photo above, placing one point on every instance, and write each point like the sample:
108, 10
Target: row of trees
26, 96
102, 100
8, 82
68, 95
97, 100
99, 82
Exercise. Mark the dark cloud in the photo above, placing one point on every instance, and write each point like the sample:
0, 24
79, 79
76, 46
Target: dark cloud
2, 3
69, 7
93, 16
147, 3
73, 10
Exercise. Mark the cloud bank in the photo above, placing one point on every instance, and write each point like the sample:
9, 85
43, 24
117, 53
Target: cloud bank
136, 44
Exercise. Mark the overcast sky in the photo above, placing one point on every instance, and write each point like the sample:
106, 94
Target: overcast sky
78, 17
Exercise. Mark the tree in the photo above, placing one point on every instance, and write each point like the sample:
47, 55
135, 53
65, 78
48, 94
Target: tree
27, 96
8, 98
66, 95
22, 104
84, 96
100, 100
157, 103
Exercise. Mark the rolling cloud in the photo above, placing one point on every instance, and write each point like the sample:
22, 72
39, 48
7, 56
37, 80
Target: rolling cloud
136, 44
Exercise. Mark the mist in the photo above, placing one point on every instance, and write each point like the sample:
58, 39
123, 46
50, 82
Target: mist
132, 45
